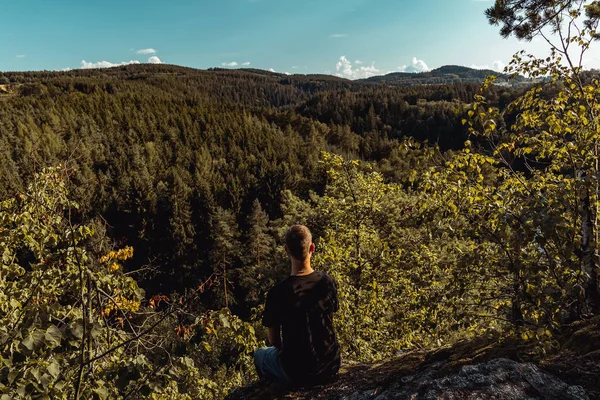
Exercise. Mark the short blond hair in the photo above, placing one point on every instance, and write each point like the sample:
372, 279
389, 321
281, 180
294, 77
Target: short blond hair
298, 240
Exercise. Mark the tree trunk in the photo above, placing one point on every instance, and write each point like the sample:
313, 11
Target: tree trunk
517, 314
589, 265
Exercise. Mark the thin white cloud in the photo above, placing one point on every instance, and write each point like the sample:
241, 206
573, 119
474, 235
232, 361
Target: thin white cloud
271, 70
286, 73
344, 69
338, 35
358, 62
247, 63
146, 51
107, 64
104, 64
230, 64
415, 67
20, 56
496, 66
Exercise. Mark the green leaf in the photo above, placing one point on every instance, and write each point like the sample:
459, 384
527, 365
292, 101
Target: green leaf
188, 362
102, 392
4, 336
34, 340
46, 380
12, 375
224, 321
54, 369
77, 329
141, 360
53, 336
6, 361
36, 373
96, 330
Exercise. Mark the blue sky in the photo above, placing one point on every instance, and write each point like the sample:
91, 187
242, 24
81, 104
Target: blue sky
351, 38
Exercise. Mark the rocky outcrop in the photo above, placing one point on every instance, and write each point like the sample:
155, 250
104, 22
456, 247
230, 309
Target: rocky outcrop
500, 379
485, 368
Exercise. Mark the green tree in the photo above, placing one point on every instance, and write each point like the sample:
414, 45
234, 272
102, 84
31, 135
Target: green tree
61, 304
258, 258
528, 18
226, 248
542, 211
403, 277
73, 324
259, 243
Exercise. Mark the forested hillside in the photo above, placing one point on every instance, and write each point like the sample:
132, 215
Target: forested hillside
447, 75
142, 210
165, 153
199, 172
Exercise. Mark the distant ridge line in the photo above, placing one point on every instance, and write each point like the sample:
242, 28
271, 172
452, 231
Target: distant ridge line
443, 75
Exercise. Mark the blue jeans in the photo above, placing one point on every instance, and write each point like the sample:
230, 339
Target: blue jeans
268, 365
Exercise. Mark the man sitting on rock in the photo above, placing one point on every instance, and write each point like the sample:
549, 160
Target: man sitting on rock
299, 315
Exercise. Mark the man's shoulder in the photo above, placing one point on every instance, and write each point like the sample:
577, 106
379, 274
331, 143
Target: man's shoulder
321, 277
279, 287
327, 278
286, 285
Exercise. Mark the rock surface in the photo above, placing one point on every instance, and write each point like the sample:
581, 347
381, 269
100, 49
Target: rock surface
498, 379
484, 368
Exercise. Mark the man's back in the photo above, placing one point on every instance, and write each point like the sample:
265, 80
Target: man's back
303, 306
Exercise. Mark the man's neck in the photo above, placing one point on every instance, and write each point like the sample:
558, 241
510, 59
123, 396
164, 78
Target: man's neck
301, 268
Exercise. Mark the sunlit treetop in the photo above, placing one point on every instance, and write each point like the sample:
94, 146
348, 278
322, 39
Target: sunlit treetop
526, 18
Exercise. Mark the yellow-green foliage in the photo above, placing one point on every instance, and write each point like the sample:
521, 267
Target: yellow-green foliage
546, 219
504, 239
73, 325
503, 236
402, 273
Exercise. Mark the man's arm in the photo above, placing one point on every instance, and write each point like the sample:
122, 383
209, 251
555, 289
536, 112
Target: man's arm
275, 336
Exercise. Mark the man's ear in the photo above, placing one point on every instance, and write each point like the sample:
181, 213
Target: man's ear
311, 249
287, 251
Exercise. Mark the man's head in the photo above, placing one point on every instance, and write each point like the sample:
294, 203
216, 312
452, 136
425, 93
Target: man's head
298, 242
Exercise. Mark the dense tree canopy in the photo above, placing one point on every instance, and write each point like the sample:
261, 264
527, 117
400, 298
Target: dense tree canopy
159, 150
152, 197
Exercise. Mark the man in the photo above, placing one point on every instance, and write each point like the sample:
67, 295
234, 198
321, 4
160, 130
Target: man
299, 315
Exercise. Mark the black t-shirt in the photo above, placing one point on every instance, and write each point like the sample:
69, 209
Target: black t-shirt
303, 306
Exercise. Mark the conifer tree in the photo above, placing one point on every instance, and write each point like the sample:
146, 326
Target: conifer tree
226, 247
259, 243
260, 267
527, 18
